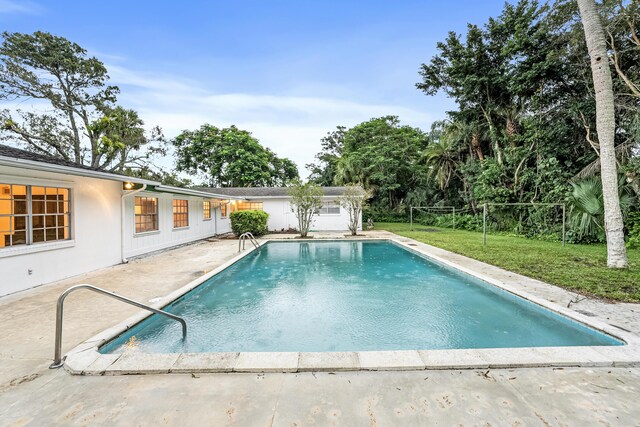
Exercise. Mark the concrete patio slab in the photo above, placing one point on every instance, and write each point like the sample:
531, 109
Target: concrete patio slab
101, 364
267, 362
406, 360
453, 359
134, 363
335, 361
205, 362
32, 394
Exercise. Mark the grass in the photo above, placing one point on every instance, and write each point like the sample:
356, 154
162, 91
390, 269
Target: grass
579, 268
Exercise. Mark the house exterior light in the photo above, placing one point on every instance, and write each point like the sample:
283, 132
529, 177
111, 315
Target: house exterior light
128, 185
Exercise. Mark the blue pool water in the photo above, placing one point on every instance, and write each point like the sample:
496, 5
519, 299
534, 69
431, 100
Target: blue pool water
346, 296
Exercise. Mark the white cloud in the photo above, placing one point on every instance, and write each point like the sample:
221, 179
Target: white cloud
19, 6
292, 126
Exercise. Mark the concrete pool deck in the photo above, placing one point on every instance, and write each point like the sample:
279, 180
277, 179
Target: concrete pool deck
31, 393
86, 359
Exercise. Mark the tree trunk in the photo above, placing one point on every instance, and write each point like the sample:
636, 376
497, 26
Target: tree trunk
605, 126
475, 143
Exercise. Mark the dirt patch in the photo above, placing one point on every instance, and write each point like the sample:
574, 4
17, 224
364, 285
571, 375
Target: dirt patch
429, 230
17, 381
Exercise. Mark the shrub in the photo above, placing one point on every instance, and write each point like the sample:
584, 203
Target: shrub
633, 222
383, 215
249, 221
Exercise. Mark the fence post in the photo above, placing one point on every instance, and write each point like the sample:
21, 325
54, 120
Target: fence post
563, 224
454, 217
484, 224
411, 218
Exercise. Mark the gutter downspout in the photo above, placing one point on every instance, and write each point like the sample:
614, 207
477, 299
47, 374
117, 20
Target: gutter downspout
126, 194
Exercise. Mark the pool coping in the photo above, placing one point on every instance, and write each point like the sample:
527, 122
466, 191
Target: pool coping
85, 359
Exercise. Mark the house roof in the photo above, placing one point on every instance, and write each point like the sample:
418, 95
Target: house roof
265, 192
193, 192
15, 157
10, 156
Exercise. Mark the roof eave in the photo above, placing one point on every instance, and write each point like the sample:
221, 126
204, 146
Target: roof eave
281, 197
190, 192
50, 167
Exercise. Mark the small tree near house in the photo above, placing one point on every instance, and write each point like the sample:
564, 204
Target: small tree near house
306, 199
353, 200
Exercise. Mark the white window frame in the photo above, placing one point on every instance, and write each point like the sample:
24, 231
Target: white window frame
204, 217
30, 246
173, 215
142, 233
326, 205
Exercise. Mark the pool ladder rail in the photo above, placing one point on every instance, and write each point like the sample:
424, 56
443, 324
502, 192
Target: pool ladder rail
243, 238
57, 358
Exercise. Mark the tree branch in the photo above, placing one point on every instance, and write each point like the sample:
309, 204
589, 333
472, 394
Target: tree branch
594, 145
616, 64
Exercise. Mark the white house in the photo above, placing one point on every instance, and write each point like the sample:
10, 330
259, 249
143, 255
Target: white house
58, 219
277, 203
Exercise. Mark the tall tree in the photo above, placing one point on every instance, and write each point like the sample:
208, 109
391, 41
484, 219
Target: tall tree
323, 172
384, 157
231, 157
71, 97
606, 127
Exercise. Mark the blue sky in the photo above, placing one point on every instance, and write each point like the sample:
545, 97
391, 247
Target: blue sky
287, 71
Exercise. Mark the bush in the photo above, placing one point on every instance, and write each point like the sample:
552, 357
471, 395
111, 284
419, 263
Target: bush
633, 223
383, 215
254, 222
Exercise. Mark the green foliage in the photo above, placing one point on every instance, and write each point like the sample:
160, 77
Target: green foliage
383, 214
586, 209
462, 221
380, 154
353, 200
82, 125
633, 224
165, 177
254, 222
324, 171
231, 157
520, 133
579, 268
306, 199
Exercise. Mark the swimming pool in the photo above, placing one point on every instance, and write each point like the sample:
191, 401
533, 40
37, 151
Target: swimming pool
331, 296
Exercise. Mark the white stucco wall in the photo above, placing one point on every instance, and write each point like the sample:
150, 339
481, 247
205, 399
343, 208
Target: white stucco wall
166, 236
281, 216
223, 224
95, 231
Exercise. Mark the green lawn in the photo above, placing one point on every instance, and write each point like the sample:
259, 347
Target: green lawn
580, 268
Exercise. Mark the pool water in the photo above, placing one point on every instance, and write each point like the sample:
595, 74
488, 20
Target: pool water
349, 296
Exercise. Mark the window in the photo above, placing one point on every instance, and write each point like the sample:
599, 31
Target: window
329, 208
223, 205
33, 214
249, 206
180, 213
146, 214
206, 209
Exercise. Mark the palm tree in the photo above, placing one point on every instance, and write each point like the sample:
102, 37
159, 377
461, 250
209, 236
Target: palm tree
442, 157
605, 126
586, 207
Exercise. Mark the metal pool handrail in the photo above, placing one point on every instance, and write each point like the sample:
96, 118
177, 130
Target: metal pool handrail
57, 358
243, 237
